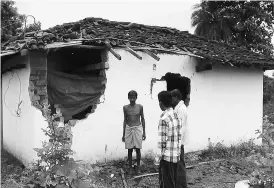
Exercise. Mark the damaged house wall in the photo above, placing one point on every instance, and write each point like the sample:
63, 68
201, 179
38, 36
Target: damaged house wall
225, 102
38, 78
22, 122
76, 80
219, 108
34, 85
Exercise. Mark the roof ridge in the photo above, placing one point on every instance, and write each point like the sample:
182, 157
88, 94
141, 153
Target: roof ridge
121, 23
94, 31
169, 29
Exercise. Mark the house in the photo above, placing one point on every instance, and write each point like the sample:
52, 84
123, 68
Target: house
85, 70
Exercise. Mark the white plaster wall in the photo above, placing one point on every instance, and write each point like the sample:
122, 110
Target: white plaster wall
226, 104
21, 134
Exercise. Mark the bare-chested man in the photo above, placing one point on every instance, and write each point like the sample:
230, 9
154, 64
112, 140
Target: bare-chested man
133, 129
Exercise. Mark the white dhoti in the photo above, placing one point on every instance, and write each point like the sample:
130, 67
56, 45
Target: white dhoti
133, 137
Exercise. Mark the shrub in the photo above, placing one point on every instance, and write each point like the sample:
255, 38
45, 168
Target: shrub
56, 168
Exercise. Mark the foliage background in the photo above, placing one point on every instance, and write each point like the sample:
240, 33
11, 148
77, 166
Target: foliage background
242, 23
12, 23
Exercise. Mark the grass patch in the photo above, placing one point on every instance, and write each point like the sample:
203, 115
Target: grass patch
219, 151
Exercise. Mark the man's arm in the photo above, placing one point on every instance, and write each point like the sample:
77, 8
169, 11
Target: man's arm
156, 79
183, 120
125, 123
162, 133
180, 117
143, 122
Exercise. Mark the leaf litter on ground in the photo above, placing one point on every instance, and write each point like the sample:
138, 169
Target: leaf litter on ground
224, 173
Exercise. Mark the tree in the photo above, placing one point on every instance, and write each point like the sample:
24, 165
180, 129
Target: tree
10, 20
242, 23
268, 83
12, 23
268, 98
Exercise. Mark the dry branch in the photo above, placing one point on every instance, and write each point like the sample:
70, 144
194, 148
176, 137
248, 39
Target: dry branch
187, 167
123, 178
202, 163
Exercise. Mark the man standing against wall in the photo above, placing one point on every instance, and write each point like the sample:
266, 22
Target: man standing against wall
169, 131
181, 111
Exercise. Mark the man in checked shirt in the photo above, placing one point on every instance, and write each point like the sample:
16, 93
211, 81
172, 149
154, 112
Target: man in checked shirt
169, 144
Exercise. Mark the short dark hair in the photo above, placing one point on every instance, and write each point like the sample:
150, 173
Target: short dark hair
165, 98
132, 92
177, 93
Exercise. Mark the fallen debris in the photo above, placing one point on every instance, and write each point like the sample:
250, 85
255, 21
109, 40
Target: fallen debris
202, 163
144, 175
187, 167
221, 173
123, 178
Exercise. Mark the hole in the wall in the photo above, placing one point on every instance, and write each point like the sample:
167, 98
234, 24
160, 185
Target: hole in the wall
177, 81
76, 80
74, 60
83, 114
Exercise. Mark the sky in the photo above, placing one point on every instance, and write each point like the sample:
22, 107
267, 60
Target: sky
171, 13
168, 13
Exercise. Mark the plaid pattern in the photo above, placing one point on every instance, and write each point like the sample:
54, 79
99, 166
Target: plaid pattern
169, 132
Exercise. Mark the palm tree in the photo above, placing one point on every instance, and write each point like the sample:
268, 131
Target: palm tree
212, 21
248, 24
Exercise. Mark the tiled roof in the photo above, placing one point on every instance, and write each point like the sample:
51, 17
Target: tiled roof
95, 30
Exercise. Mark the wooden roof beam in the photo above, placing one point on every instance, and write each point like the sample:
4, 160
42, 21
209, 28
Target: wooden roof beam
151, 54
133, 52
107, 43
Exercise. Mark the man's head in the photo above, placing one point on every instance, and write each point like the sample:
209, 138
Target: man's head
176, 97
132, 96
165, 100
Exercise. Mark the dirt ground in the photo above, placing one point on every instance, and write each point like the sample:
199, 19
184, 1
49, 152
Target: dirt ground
218, 174
221, 173
11, 169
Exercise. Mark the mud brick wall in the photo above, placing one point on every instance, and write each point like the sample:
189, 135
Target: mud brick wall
64, 128
38, 78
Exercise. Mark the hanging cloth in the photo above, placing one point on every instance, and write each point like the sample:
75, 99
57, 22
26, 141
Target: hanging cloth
74, 93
